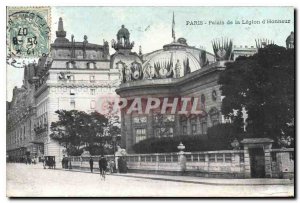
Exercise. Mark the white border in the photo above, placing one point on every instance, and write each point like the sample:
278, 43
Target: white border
3, 4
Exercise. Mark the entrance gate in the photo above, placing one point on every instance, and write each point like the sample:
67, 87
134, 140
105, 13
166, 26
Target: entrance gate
257, 157
257, 162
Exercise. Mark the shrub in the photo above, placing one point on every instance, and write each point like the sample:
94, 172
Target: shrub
218, 138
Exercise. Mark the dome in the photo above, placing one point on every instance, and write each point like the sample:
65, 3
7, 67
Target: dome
178, 55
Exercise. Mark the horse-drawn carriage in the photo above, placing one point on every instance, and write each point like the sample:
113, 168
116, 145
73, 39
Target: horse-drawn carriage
50, 162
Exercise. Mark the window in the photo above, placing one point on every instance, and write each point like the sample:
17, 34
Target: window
72, 103
72, 91
194, 128
92, 78
140, 119
91, 65
164, 132
203, 124
93, 91
140, 134
93, 104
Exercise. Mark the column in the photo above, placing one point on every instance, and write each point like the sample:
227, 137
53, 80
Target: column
177, 127
150, 129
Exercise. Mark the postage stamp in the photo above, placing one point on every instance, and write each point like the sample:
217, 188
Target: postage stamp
28, 31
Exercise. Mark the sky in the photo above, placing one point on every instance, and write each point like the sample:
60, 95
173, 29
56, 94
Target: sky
151, 27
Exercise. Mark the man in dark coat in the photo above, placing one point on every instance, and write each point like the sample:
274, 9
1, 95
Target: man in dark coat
102, 166
63, 161
91, 164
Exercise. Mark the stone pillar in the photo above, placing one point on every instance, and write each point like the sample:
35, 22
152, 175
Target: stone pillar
150, 124
247, 162
235, 163
206, 166
181, 158
268, 161
178, 129
285, 165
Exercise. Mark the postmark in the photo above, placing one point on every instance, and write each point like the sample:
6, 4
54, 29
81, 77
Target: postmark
28, 32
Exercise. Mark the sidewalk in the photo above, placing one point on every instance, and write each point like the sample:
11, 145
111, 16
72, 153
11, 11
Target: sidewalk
201, 180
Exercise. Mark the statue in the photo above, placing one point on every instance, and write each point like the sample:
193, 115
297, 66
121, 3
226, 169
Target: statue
85, 39
123, 41
290, 41
177, 69
127, 73
120, 66
123, 36
105, 48
147, 71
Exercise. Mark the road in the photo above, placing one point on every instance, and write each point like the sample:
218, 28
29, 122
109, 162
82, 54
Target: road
32, 180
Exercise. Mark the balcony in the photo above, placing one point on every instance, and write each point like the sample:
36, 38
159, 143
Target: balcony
40, 129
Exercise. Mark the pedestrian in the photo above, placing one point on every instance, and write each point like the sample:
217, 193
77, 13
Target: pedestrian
91, 164
111, 166
63, 161
102, 166
66, 163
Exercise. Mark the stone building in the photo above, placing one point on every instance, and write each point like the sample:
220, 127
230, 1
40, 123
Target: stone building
178, 70
73, 76
21, 111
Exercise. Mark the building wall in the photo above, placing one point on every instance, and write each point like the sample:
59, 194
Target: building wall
197, 84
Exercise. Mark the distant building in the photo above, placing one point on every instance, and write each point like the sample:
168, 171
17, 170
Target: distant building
72, 77
243, 51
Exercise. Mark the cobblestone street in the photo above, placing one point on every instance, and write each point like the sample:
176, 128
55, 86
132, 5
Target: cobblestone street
33, 180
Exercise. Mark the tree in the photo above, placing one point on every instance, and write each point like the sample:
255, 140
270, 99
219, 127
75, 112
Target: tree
77, 130
113, 129
263, 85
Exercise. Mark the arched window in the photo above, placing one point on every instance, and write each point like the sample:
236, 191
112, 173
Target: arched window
203, 125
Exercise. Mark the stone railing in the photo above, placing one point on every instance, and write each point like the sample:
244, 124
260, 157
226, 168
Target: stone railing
227, 163
211, 163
